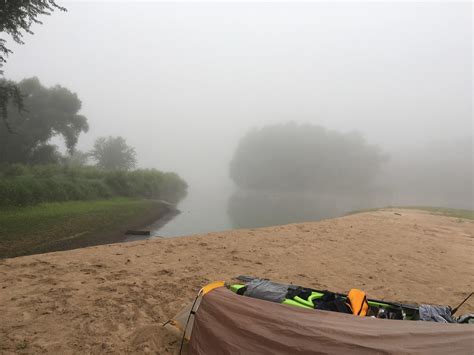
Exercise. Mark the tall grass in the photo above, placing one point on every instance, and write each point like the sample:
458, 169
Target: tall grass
22, 185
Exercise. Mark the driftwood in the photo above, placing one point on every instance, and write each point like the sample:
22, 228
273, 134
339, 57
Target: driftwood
133, 232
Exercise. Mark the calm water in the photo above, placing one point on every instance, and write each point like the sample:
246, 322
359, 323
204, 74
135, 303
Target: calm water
202, 211
212, 210
218, 209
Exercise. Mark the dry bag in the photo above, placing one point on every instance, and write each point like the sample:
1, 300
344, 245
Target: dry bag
357, 302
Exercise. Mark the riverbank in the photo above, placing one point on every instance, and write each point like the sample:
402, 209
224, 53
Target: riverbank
114, 298
74, 224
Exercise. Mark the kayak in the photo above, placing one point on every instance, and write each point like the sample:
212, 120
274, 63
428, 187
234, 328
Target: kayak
311, 299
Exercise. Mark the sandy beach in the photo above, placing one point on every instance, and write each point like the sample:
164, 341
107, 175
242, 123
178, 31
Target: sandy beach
114, 298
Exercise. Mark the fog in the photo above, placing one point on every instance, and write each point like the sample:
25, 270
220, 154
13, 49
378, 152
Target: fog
184, 82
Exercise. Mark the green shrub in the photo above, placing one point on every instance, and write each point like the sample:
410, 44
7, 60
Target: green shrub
27, 185
14, 170
44, 171
22, 191
119, 182
54, 189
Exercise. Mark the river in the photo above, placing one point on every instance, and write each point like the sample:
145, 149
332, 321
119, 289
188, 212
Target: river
202, 211
213, 210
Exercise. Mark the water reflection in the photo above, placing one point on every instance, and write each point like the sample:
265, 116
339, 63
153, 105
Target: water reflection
249, 209
218, 209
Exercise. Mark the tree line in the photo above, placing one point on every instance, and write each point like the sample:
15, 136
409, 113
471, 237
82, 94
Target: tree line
50, 112
33, 170
305, 158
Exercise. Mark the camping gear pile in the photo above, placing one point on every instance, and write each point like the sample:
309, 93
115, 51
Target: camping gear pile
238, 318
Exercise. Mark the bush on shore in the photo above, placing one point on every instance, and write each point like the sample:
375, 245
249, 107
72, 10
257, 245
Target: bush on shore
22, 185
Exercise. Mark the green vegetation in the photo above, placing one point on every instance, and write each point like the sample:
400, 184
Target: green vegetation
304, 157
55, 226
22, 185
16, 18
50, 200
48, 112
54, 201
113, 153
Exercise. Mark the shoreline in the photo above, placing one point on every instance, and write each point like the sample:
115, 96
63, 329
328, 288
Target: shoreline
72, 225
114, 298
157, 223
117, 234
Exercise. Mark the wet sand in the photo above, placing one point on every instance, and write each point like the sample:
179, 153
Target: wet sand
114, 298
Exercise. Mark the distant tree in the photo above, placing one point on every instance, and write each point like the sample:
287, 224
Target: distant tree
16, 17
113, 153
77, 158
45, 154
48, 112
294, 157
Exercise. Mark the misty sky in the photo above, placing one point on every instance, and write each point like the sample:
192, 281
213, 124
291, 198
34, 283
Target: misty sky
182, 82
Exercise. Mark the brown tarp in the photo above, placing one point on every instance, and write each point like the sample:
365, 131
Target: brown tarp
226, 323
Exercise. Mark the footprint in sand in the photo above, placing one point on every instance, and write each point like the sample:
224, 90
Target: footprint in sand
89, 271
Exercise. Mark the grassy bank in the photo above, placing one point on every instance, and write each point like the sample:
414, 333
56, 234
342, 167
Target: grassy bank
65, 225
443, 211
448, 212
